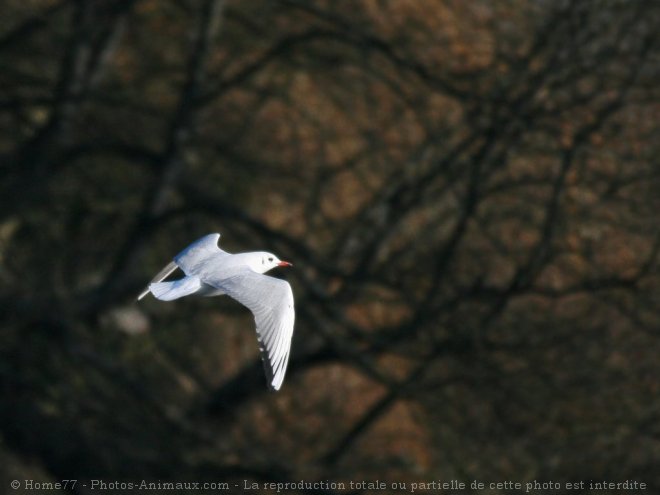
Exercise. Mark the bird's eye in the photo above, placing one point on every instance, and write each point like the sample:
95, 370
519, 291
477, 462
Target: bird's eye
270, 259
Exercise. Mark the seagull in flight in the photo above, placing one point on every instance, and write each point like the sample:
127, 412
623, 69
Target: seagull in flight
211, 271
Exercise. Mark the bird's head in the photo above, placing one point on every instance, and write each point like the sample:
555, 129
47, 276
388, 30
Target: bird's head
263, 261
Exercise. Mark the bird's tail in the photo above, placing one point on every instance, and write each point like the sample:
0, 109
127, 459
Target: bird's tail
168, 291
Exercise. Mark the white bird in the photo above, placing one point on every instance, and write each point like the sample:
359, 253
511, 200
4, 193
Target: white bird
210, 271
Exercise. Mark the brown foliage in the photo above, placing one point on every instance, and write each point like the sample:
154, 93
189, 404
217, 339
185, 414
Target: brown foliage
468, 191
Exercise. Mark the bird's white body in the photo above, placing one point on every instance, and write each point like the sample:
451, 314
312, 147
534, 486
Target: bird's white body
210, 271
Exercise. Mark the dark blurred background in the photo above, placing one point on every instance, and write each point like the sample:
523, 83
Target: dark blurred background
469, 192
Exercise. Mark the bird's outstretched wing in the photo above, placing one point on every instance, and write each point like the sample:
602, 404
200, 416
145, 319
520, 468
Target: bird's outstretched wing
197, 252
162, 275
271, 301
187, 260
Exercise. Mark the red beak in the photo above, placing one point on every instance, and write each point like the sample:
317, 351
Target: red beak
284, 263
